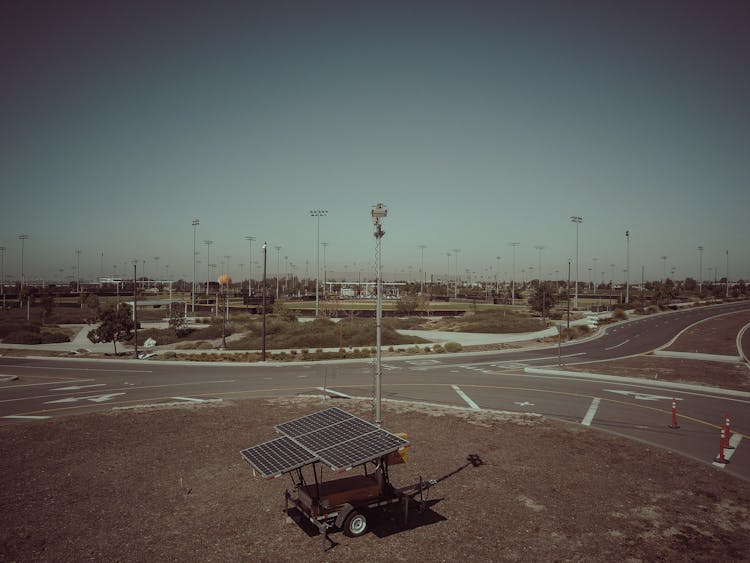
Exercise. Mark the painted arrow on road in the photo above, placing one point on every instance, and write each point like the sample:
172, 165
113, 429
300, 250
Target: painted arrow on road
92, 398
642, 396
77, 387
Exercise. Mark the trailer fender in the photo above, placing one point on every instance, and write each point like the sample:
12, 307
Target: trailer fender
344, 511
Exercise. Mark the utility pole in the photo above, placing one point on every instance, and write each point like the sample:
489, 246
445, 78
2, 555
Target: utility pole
577, 220
378, 213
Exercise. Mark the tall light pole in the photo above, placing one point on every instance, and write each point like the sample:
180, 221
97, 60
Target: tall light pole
156, 259
540, 247
627, 267
448, 278
2, 273
727, 293
78, 271
577, 220
250, 266
325, 271
595, 260
135, 305
379, 212
664, 274
497, 272
421, 268
195, 223
23, 238
278, 255
265, 255
700, 269
208, 244
455, 287
513, 277
317, 213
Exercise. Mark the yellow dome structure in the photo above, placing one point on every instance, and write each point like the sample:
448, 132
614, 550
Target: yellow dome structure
225, 279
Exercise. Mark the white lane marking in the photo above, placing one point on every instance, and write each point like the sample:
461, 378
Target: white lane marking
591, 412
190, 399
465, 397
92, 398
48, 383
78, 369
618, 345
740, 336
76, 387
332, 392
642, 396
26, 416
734, 441
422, 362
524, 404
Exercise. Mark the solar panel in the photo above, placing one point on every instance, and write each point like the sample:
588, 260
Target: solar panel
332, 436
313, 422
279, 456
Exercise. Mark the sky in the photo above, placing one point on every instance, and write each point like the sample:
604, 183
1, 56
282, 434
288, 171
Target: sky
476, 124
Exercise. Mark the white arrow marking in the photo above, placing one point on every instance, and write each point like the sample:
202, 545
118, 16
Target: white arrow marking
465, 397
92, 398
76, 387
642, 396
524, 404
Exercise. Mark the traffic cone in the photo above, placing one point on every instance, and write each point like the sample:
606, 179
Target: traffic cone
727, 434
721, 458
674, 415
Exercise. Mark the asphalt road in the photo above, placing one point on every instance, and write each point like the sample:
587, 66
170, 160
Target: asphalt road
639, 409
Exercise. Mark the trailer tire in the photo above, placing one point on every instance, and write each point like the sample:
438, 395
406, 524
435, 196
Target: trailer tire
355, 524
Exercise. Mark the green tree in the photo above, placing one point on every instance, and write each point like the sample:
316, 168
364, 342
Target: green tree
177, 321
90, 303
543, 298
116, 324
47, 302
664, 292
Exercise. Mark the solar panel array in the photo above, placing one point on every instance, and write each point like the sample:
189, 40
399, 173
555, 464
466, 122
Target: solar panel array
332, 436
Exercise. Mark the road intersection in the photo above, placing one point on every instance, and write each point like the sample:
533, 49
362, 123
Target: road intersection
534, 380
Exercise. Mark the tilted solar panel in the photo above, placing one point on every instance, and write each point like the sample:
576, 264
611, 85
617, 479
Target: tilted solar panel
332, 436
313, 422
279, 456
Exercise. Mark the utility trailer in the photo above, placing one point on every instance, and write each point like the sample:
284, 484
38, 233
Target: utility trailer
340, 441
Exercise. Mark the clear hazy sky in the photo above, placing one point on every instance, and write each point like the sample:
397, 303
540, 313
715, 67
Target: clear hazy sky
475, 123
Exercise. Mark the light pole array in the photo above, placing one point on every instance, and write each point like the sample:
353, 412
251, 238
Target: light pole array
317, 213
195, 224
78, 271
23, 238
513, 277
577, 220
379, 212
250, 266
421, 268
627, 267
208, 244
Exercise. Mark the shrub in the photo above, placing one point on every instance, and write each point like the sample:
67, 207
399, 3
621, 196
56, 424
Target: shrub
452, 347
619, 315
438, 349
23, 337
413, 350
52, 335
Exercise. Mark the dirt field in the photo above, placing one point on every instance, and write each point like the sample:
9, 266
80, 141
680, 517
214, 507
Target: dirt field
169, 484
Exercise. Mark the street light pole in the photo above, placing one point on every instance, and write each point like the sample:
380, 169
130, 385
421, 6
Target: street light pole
513, 278
627, 268
22, 238
378, 213
325, 271
497, 284
195, 224
250, 266
540, 247
317, 213
727, 293
2, 273
208, 244
78, 271
278, 250
577, 220
421, 268
455, 287
664, 274
700, 270
135, 305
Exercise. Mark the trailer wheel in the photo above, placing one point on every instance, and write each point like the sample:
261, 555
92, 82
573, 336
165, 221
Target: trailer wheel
355, 524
